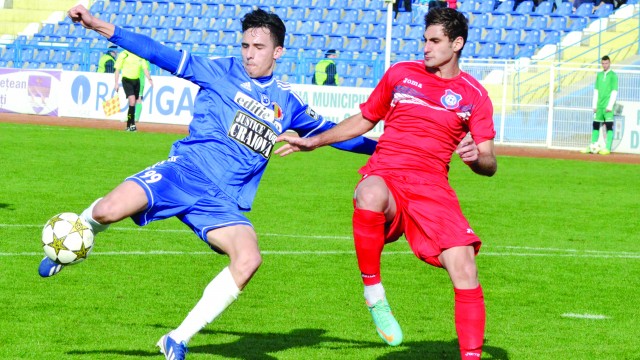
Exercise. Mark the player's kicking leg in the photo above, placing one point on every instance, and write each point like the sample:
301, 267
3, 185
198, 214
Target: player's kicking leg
125, 200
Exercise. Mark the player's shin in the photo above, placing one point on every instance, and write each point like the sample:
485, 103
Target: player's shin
368, 236
470, 317
221, 292
87, 215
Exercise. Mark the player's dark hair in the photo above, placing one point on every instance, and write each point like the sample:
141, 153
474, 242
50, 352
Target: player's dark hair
453, 22
259, 18
605, 58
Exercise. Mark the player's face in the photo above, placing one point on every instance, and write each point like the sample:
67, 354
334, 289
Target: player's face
439, 50
259, 53
605, 64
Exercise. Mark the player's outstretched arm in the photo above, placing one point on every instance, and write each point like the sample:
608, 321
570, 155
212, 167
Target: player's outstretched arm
481, 158
350, 128
80, 14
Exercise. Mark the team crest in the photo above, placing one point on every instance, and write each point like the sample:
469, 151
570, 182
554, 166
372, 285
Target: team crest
450, 100
264, 99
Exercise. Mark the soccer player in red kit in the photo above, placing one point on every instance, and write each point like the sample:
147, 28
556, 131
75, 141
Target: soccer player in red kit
431, 110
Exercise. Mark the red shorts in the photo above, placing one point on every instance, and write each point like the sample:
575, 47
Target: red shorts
429, 216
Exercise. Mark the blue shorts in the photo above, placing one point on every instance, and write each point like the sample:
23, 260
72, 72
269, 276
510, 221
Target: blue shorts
175, 187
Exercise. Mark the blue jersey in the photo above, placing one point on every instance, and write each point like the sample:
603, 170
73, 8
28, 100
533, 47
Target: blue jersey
236, 118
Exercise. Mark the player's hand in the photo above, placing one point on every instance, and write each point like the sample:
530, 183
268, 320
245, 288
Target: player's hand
608, 110
467, 150
80, 14
293, 144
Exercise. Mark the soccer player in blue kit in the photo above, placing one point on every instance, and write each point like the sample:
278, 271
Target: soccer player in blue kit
210, 178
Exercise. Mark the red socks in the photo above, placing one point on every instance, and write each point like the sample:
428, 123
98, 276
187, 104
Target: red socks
368, 236
470, 320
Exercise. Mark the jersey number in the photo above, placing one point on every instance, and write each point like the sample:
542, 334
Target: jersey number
151, 176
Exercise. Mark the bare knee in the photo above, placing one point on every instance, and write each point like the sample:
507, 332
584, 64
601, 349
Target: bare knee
464, 275
372, 194
105, 212
244, 267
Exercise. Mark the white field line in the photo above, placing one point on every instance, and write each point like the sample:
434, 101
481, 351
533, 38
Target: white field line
515, 251
585, 316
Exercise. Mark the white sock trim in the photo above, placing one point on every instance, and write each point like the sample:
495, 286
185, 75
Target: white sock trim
374, 293
87, 215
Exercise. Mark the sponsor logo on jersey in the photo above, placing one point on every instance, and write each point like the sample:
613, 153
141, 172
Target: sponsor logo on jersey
450, 100
253, 133
254, 107
412, 82
246, 86
465, 112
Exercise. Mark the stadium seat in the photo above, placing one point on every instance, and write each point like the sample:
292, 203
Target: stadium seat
512, 36
350, 16
584, 10
565, 9
361, 30
317, 42
526, 51
505, 7
169, 22
343, 29
603, 11
323, 28
551, 37
368, 16
348, 55
43, 55
543, 9
186, 23
395, 45
487, 50
304, 3
298, 41
475, 34
129, 7
161, 35
578, 24
492, 36
467, 6
146, 9
75, 57
480, 21
506, 51
306, 27
485, 7
324, 4
524, 8
358, 70
531, 37
539, 23
335, 42
518, 22
558, 23
379, 31
316, 14
58, 57
203, 23
195, 10
373, 45
398, 31
220, 24
177, 36
357, 4
242, 10
333, 15
415, 32
498, 21
136, 20
367, 83
348, 81
404, 18
179, 9
410, 47
297, 14
112, 8
212, 12
153, 21
97, 7
355, 44
469, 49
162, 9
228, 38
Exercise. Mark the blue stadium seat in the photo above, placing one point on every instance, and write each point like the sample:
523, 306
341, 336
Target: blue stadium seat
475, 34
47, 29
291, 25
469, 49
186, 22
112, 8
324, 28
316, 14
162, 9
178, 36
120, 19
373, 45
524, 8
179, 9
543, 9
343, 29
498, 21
58, 57
195, 10
317, 42
97, 7
213, 10
136, 20
539, 23
146, 9
518, 22
211, 38
512, 36
578, 24
505, 7
404, 18
485, 7
298, 14
487, 50
204, 23
161, 35
342, 67
219, 25
348, 81
398, 31
506, 51
377, 5
361, 30
357, 4
467, 6
129, 7
492, 36
350, 16
565, 9
379, 31
333, 15
348, 55
417, 32
410, 47
531, 37
322, 4
584, 9
228, 38
558, 23
153, 21
306, 27
480, 21
299, 41
243, 9
335, 42
43, 55
304, 3
169, 22
358, 70
603, 11
75, 57
368, 83
526, 51
368, 16
551, 37
395, 45
355, 44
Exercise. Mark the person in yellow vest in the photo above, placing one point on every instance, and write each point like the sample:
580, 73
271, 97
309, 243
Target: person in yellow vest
326, 72
140, 98
131, 66
107, 61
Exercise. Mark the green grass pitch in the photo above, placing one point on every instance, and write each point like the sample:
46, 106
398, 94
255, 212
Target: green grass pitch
560, 264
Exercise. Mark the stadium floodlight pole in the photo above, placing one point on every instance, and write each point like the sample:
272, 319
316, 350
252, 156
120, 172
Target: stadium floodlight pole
387, 48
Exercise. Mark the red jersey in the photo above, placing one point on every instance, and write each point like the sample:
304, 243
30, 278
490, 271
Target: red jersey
425, 117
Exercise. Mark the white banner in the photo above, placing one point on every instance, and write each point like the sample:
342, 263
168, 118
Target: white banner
29, 92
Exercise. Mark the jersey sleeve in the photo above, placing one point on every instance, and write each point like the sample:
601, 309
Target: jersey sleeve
145, 47
379, 102
481, 121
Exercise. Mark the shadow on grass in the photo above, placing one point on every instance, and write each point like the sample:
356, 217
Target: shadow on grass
259, 346
6, 206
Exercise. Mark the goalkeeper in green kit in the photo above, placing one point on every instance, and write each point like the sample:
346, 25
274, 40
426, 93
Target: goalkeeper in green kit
604, 98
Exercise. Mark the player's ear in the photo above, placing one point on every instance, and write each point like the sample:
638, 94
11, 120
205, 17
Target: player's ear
278, 52
458, 43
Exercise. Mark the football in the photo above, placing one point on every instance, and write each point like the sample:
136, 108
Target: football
67, 239
595, 148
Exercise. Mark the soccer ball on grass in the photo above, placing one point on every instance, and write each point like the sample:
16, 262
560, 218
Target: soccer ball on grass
67, 239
